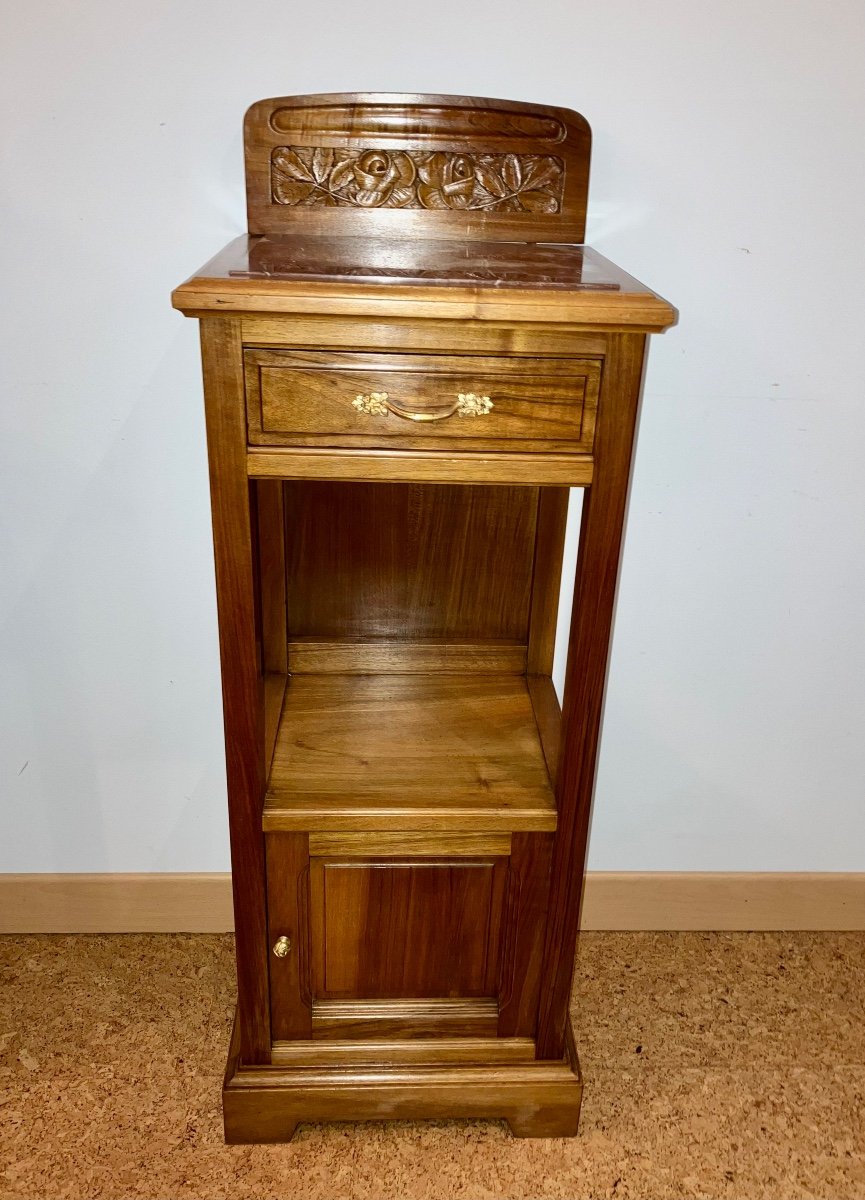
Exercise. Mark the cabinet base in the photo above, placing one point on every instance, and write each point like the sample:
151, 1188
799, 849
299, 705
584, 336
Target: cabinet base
267, 1103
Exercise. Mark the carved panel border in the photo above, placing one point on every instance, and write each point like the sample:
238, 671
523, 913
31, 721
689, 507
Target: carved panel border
307, 176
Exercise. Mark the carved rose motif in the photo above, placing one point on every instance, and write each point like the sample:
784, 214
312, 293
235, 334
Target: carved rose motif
306, 176
372, 179
447, 181
384, 177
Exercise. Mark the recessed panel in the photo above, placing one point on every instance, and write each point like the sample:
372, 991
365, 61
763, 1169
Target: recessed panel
405, 929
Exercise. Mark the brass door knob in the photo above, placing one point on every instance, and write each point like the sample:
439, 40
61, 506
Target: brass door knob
282, 946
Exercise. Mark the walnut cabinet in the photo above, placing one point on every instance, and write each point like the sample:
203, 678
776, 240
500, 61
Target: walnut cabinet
408, 362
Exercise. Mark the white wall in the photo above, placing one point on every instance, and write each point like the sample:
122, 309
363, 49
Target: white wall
728, 173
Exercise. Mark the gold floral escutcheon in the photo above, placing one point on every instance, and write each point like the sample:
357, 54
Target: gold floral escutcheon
374, 403
470, 405
466, 404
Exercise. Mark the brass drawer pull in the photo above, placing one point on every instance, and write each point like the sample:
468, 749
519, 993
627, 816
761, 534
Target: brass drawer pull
467, 404
282, 946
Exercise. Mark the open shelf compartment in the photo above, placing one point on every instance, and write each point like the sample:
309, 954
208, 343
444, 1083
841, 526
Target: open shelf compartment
412, 752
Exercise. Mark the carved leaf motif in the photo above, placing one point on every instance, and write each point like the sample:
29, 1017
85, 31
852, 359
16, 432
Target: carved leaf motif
540, 172
307, 177
290, 163
322, 161
538, 202
292, 191
481, 198
486, 176
511, 172
342, 174
320, 199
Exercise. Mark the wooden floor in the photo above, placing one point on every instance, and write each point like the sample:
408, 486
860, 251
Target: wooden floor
716, 1065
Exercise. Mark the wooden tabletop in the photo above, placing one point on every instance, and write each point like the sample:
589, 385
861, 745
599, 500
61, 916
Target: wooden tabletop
491, 280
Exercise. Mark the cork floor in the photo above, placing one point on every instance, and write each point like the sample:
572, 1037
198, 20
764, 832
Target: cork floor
716, 1065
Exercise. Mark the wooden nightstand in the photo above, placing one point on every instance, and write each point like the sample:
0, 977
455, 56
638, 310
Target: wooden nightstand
406, 365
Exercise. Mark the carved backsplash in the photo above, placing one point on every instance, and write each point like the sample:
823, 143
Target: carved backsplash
505, 183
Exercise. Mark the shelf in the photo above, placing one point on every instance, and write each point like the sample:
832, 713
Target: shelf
422, 752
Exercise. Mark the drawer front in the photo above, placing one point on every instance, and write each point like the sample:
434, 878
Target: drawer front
424, 401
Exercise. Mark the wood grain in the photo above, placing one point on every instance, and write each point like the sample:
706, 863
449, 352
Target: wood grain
463, 810
591, 625
409, 563
524, 924
306, 398
465, 1050
309, 656
546, 579
599, 295
405, 928
407, 845
270, 547
439, 742
404, 165
242, 688
288, 916
427, 804
502, 339
417, 466
200, 902
548, 718
274, 694
430, 1017
265, 1104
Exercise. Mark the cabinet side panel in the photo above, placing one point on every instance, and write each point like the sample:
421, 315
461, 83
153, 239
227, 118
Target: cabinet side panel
409, 561
271, 556
524, 921
591, 622
242, 691
546, 578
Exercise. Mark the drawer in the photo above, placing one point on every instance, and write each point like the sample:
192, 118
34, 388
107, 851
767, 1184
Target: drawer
423, 401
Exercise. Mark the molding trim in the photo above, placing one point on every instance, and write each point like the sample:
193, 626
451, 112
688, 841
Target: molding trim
724, 900
129, 903
628, 900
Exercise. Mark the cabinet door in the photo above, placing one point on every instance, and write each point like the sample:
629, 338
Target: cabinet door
406, 934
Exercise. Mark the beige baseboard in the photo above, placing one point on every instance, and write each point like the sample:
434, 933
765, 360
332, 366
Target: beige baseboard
200, 903
147, 903
682, 900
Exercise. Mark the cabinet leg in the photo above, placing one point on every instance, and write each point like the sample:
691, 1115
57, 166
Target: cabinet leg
562, 1121
245, 1127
